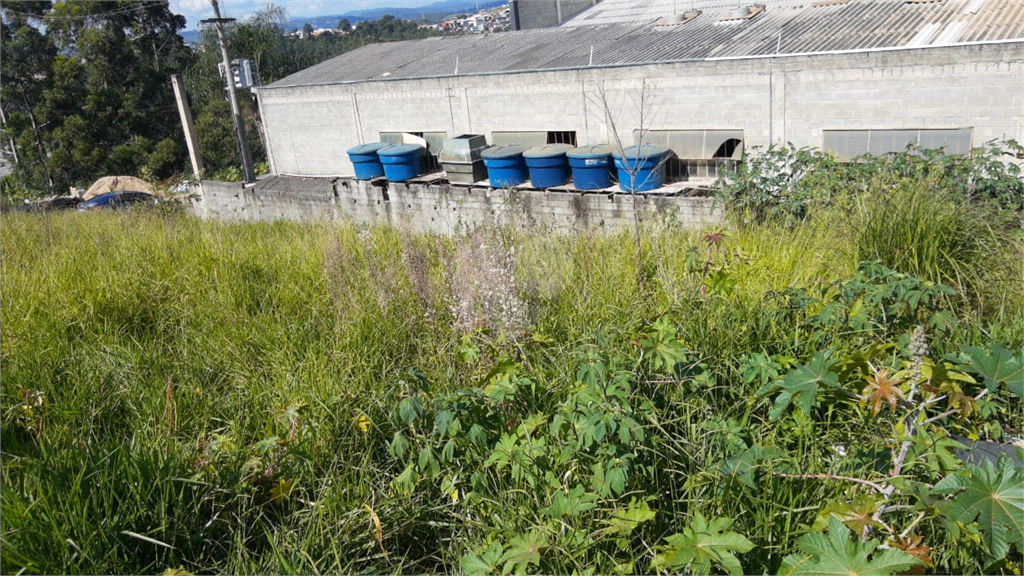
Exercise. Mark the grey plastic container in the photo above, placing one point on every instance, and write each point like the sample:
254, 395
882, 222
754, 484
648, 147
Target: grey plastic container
460, 158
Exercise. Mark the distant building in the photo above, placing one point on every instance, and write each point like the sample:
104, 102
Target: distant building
533, 14
848, 76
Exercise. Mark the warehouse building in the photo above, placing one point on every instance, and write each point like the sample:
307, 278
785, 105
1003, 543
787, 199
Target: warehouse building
709, 79
533, 14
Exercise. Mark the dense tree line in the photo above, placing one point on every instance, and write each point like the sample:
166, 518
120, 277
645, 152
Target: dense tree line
85, 87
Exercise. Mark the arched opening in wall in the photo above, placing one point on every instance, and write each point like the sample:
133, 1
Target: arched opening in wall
698, 153
728, 148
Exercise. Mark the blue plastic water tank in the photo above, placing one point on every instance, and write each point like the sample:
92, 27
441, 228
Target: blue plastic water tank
505, 165
365, 160
591, 166
401, 161
548, 165
641, 168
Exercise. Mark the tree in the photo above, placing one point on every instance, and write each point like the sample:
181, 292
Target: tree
86, 86
27, 57
344, 25
307, 30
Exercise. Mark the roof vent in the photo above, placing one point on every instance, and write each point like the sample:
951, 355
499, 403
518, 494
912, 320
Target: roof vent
676, 19
744, 13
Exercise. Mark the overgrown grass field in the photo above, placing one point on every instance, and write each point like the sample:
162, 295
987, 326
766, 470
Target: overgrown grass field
191, 396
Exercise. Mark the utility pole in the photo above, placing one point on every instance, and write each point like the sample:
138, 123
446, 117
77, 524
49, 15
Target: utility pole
186, 124
236, 112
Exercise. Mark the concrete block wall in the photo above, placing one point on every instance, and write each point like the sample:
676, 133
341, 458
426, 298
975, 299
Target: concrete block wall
221, 201
359, 202
981, 87
774, 99
449, 210
270, 205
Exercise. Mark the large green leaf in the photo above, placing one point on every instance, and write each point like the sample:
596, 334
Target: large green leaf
623, 522
856, 514
800, 386
701, 545
1000, 366
860, 360
839, 552
992, 495
745, 465
662, 347
409, 409
484, 563
570, 503
523, 551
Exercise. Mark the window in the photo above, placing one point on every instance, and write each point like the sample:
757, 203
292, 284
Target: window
728, 148
699, 153
434, 142
562, 138
534, 138
848, 144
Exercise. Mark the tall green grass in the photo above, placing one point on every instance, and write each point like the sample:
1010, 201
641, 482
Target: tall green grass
922, 227
186, 368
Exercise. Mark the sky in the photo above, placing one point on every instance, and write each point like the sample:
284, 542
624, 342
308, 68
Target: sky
196, 10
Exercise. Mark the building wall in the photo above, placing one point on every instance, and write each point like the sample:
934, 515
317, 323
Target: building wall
448, 210
545, 13
774, 100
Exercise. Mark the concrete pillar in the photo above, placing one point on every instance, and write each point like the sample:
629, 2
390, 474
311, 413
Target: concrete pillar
186, 123
777, 91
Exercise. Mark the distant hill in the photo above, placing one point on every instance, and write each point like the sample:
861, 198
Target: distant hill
192, 36
431, 13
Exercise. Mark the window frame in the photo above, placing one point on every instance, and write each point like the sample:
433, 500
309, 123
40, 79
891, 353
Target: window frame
534, 137
845, 144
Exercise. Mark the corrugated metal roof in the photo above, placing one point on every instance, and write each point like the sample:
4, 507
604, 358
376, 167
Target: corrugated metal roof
780, 29
617, 11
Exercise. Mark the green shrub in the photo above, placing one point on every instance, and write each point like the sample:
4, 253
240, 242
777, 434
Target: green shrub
786, 184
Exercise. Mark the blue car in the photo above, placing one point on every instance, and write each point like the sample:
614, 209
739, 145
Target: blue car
118, 201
